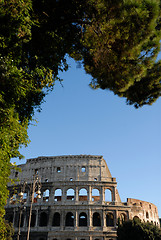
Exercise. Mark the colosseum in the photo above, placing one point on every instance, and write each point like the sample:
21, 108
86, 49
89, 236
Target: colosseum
70, 197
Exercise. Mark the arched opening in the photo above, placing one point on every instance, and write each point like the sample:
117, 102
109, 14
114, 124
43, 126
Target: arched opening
13, 199
108, 195
9, 217
147, 215
136, 218
16, 220
46, 195
25, 197
96, 219
69, 221
22, 220
33, 219
109, 220
58, 195
35, 197
70, 194
56, 220
83, 196
95, 195
43, 219
82, 219
122, 218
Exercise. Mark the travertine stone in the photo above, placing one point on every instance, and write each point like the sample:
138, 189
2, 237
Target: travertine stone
66, 211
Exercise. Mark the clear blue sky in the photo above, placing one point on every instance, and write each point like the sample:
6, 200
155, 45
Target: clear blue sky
78, 120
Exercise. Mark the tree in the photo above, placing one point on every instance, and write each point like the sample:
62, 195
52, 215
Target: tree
135, 229
117, 42
9, 231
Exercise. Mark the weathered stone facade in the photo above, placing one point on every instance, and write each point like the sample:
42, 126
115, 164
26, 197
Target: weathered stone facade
79, 200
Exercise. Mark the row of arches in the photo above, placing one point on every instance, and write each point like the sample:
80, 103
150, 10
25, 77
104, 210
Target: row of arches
82, 194
70, 194
68, 220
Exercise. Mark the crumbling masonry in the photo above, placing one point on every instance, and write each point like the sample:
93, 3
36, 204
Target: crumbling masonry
79, 200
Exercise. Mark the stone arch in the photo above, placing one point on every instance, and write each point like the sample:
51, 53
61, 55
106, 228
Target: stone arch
33, 219
13, 199
83, 194
108, 195
69, 220
17, 217
82, 219
25, 196
9, 217
122, 217
70, 194
96, 219
22, 220
46, 195
109, 220
136, 218
56, 220
58, 195
43, 219
35, 197
95, 195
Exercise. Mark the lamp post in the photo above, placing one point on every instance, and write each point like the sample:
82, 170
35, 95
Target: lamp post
35, 185
21, 194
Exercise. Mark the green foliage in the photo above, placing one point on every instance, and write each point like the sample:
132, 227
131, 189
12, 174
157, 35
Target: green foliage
6, 233
135, 229
121, 46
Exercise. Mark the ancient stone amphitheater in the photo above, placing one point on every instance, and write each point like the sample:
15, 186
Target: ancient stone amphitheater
79, 200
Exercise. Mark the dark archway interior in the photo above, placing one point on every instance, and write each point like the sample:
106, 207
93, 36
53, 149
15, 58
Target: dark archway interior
109, 220
69, 220
33, 220
82, 219
22, 220
43, 219
96, 220
9, 217
56, 219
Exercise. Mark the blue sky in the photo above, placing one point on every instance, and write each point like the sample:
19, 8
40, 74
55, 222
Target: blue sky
78, 120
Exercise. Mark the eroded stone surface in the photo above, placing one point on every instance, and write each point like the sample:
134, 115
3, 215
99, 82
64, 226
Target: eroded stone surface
79, 200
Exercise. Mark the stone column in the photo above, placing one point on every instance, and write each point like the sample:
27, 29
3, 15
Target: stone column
102, 194
115, 218
114, 195
90, 225
76, 194
63, 197
14, 216
62, 220
89, 194
103, 218
76, 219
37, 217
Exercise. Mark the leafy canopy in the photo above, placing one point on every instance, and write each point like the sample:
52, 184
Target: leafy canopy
135, 229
